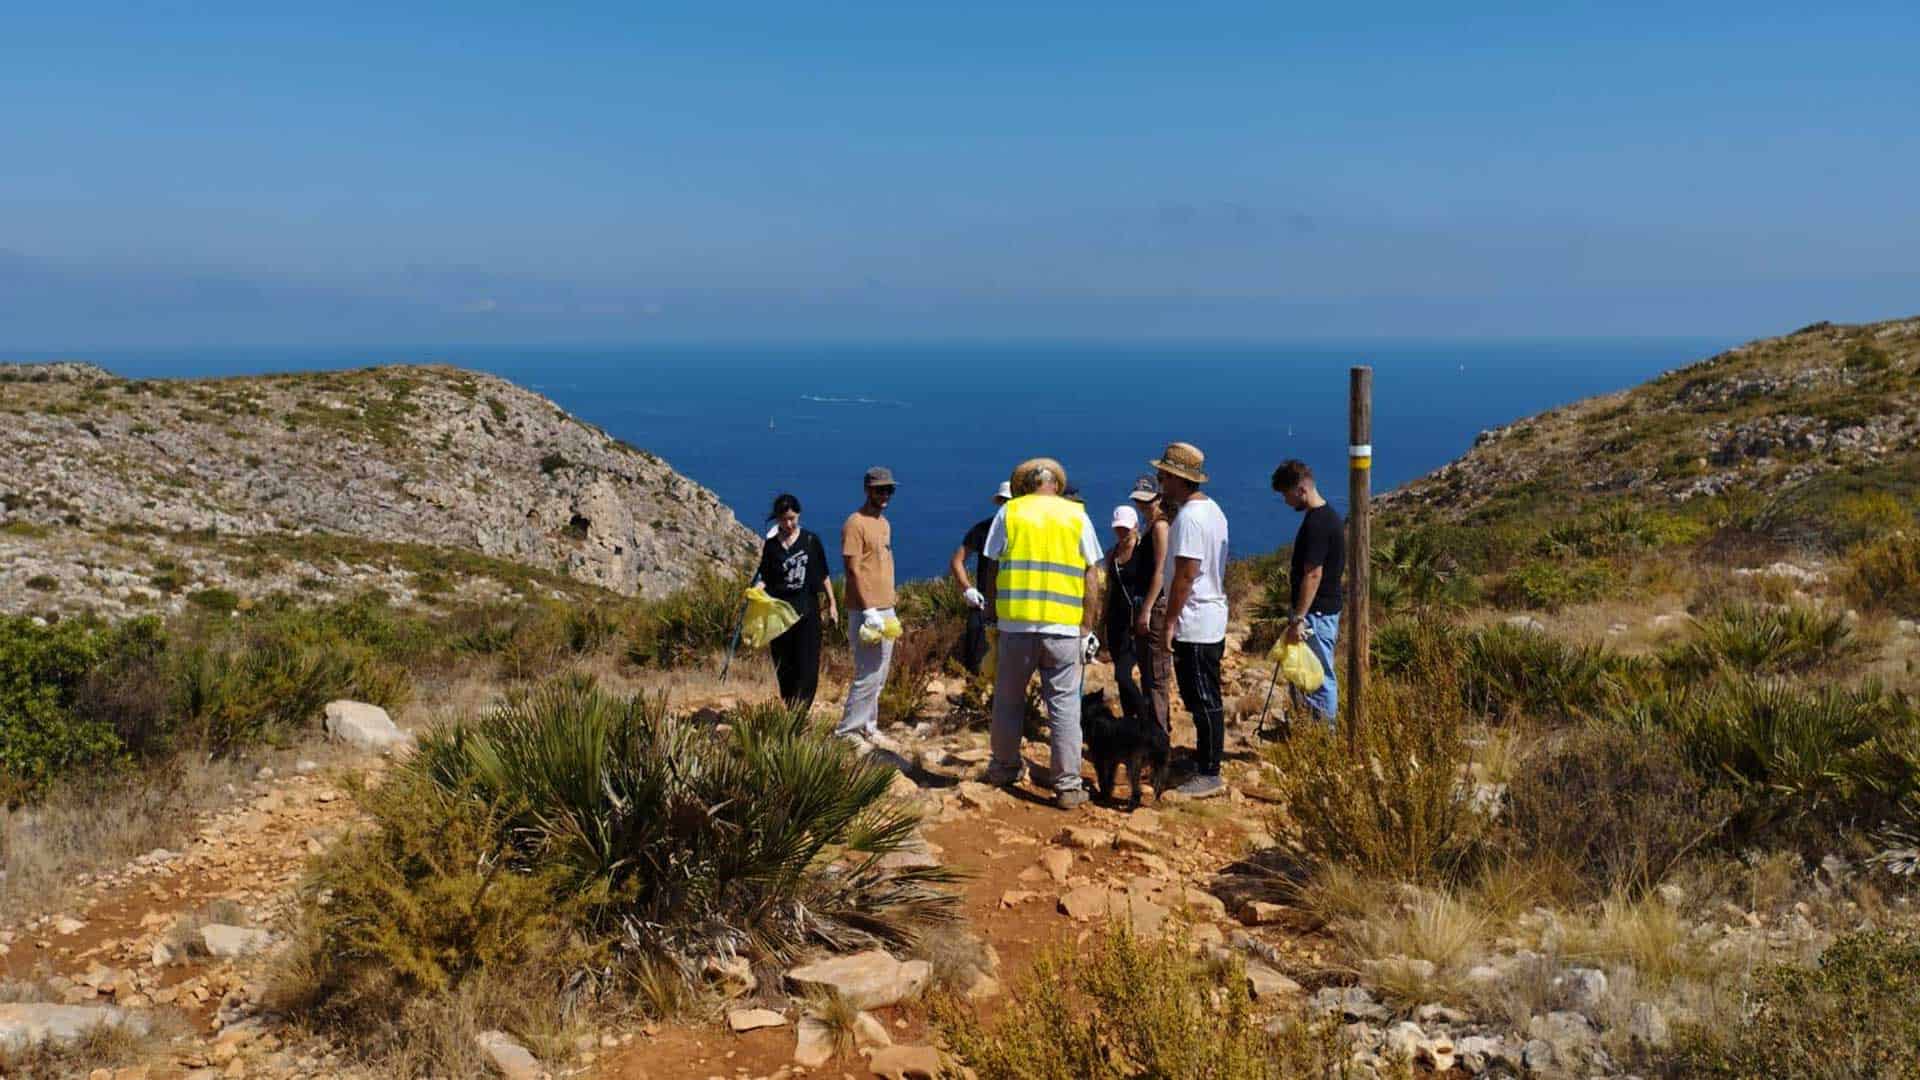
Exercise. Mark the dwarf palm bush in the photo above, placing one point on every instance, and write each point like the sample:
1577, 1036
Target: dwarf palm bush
1794, 754
1506, 670
688, 841
1766, 640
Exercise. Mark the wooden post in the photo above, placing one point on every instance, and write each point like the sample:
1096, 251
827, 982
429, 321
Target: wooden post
1359, 546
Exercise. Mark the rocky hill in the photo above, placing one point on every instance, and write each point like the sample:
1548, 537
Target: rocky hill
1788, 423
128, 495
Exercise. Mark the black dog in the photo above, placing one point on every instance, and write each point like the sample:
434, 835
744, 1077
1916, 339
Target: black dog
1116, 740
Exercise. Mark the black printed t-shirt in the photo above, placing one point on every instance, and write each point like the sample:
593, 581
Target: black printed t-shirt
795, 574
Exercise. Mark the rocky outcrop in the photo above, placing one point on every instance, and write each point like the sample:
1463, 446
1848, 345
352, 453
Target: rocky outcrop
124, 493
1770, 416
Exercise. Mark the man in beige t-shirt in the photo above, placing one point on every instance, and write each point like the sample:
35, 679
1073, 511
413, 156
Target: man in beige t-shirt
866, 543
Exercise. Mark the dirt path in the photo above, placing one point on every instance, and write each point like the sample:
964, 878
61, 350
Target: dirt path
130, 937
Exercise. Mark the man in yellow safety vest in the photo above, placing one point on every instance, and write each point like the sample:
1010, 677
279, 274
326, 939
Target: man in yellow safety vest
1045, 560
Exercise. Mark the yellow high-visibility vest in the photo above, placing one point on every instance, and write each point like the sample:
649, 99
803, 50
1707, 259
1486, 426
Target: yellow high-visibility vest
1042, 576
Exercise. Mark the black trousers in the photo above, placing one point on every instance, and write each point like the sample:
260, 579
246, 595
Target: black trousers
1196, 667
973, 647
796, 662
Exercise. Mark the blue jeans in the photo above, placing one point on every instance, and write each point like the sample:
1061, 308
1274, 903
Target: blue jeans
1321, 632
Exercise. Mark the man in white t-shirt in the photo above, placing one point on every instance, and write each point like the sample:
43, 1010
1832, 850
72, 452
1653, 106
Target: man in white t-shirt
1196, 627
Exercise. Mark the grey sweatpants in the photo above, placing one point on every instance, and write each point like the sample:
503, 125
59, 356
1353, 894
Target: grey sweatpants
870, 662
1058, 661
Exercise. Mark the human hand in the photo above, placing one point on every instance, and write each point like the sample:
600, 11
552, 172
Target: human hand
1164, 640
1292, 635
1141, 626
975, 600
1089, 648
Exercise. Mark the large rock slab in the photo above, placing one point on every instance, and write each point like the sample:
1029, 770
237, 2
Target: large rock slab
1100, 901
364, 727
745, 1020
28, 1025
869, 980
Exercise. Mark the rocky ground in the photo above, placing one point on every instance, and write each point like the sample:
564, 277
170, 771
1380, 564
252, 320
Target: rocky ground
179, 941
1770, 414
125, 496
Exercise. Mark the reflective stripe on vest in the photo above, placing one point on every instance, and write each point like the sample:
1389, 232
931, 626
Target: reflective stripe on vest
1042, 577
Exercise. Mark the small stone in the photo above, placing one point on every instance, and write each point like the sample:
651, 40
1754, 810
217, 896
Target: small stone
813, 1044
907, 1063
1261, 912
744, 1020
263, 774
67, 924
1058, 862
1648, 1026
868, 1031
1269, 985
305, 767
364, 727
511, 1059
1084, 839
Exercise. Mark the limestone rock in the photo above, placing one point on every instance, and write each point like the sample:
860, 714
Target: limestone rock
907, 1063
1261, 912
744, 1020
28, 1025
1058, 862
1269, 985
870, 980
508, 1057
813, 1043
1099, 901
1083, 838
364, 727
228, 942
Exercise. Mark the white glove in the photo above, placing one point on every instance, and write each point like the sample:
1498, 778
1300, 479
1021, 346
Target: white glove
871, 617
1089, 648
974, 600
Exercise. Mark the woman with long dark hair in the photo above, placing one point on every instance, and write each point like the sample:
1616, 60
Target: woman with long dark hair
793, 567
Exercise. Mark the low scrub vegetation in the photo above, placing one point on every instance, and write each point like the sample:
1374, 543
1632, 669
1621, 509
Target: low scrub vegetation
1855, 1013
1765, 639
576, 838
1885, 575
1126, 1007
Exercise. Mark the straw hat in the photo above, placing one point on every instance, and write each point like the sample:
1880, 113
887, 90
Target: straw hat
1024, 475
1183, 460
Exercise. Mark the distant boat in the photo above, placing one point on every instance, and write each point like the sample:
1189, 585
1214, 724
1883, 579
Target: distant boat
769, 423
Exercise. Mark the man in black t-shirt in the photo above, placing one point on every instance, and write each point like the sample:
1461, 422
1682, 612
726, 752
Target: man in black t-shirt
1319, 555
973, 647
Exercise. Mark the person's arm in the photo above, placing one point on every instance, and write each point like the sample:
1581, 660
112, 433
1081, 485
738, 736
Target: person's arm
1185, 570
1090, 605
957, 568
849, 554
1142, 619
824, 584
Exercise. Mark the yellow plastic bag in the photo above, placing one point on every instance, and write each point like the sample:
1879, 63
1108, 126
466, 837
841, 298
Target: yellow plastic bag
767, 618
1298, 665
888, 630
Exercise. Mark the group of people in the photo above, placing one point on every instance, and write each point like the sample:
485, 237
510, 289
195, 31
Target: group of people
1037, 583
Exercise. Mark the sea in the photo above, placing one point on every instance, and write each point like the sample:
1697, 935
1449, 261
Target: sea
952, 421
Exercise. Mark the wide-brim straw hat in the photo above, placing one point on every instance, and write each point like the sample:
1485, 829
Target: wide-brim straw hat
1022, 479
1183, 460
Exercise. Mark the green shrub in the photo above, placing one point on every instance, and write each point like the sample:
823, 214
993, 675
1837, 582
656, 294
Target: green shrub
1793, 755
554, 462
1126, 1007
43, 582
684, 842
689, 624
218, 601
1864, 516
1885, 574
1855, 1014
1413, 572
1759, 639
1392, 804
42, 671
1550, 586
233, 693
1508, 671
1617, 808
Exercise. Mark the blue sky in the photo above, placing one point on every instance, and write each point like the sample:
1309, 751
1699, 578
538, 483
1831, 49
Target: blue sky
209, 174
